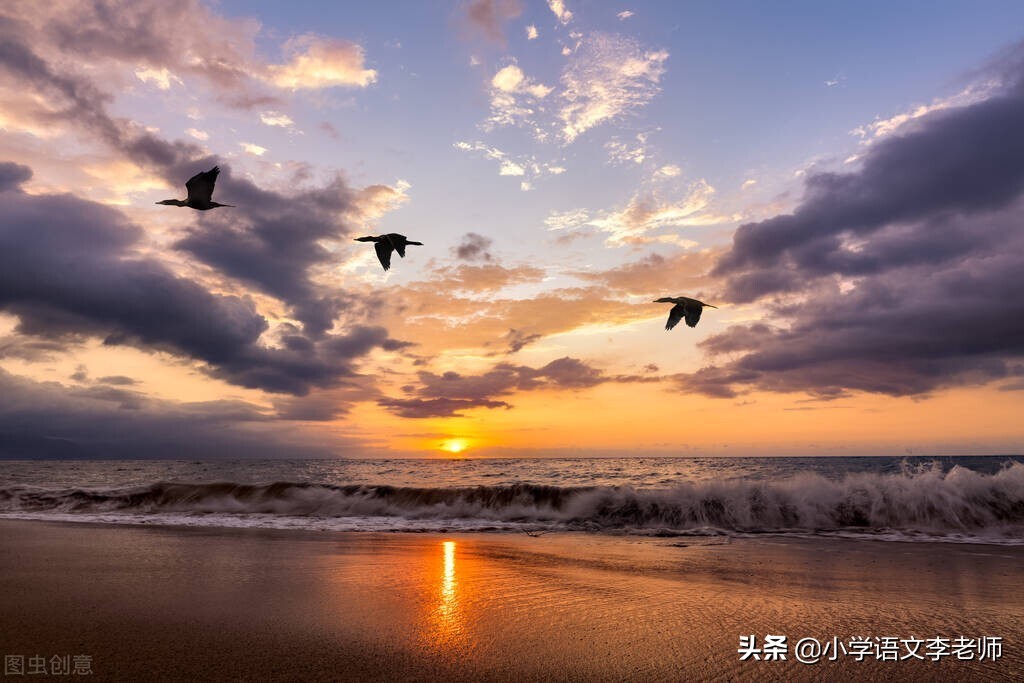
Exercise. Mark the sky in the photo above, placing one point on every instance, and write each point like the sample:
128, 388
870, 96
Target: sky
845, 181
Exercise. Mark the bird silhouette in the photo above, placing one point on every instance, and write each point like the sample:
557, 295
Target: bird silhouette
684, 307
200, 192
385, 244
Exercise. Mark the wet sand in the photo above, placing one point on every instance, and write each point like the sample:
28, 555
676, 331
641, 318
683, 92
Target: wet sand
158, 603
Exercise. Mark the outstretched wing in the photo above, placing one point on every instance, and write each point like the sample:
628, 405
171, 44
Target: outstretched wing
693, 314
383, 249
398, 242
200, 186
674, 316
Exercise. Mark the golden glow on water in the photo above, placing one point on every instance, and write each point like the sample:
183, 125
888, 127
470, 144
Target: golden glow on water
447, 618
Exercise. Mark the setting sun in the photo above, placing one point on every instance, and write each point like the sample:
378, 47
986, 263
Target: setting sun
454, 445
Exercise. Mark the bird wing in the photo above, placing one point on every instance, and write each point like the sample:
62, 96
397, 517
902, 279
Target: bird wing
693, 314
674, 316
398, 242
383, 249
200, 186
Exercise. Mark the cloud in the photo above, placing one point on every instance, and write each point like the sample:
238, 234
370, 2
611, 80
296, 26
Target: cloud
520, 339
474, 247
272, 240
162, 77
623, 15
899, 278
198, 134
607, 78
646, 213
144, 38
514, 97
442, 395
318, 62
435, 407
646, 276
68, 270
253, 149
51, 420
880, 128
526, 167
485, 17
624, 152
12, 175
560, 11
276, 118
531, 32
484, 278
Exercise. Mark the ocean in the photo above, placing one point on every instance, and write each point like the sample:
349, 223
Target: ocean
969, 499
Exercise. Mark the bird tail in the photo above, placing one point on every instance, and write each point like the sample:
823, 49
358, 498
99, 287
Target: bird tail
365, 239
419, 243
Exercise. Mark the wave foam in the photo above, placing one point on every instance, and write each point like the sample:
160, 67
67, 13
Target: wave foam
916, 503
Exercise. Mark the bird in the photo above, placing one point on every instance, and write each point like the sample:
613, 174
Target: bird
684, 306
385, 244
200, 192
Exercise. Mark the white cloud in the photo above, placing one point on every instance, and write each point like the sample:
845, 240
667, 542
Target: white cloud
623, 152
255, 150
525, 167
644, 214
610, 76
623, 15
560, 11
880, 128
276, 118
316, 62
747, 184
566, 220
514, 97
531, 32
162, 78
511, 168
668, 171
198, 134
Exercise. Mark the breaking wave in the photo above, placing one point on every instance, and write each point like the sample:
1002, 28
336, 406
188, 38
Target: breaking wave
922, 503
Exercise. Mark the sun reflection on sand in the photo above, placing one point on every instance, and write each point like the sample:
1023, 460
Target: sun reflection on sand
446, 618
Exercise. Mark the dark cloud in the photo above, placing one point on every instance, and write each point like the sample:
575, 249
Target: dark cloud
907, 270
67, 269
964, 161
440, 395
13, 175
436, 407
50, 420
519, 339
474, 247
485, 17
272, 240
117, 380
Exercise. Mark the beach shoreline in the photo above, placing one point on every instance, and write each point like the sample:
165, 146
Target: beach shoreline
173, 603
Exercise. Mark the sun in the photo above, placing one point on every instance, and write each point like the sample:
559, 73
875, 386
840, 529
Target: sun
454, 446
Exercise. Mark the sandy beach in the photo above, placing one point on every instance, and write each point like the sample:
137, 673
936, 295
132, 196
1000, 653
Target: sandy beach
161, 603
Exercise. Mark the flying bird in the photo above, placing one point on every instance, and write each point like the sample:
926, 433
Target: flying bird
385, 244
684, 307
200, 192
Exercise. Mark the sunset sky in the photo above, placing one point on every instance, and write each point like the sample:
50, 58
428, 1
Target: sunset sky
844, 180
